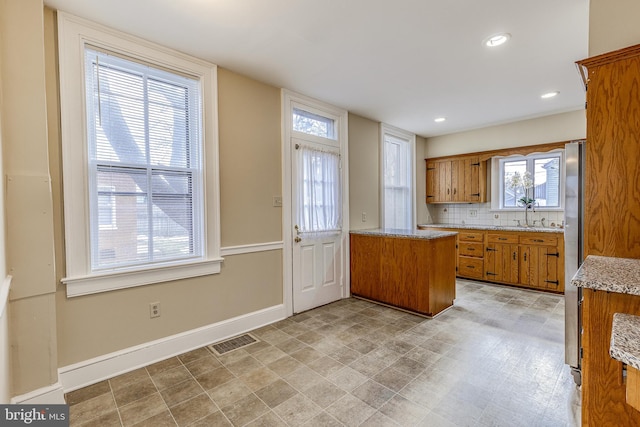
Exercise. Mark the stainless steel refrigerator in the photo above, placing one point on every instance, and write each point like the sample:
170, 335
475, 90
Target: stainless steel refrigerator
573, 241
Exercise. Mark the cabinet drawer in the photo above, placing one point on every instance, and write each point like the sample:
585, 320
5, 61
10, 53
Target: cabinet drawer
470, 267
502, 238
471, 249
470, 236
544, 240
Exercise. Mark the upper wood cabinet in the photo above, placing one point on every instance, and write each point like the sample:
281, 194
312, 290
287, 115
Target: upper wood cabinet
456, 180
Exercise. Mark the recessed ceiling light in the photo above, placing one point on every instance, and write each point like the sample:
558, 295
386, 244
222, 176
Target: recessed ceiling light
549, 95
439, 119
497, 39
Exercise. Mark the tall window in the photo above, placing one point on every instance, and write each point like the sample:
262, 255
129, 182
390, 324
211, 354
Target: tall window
398, 178
537, 176
144, 138
139, 151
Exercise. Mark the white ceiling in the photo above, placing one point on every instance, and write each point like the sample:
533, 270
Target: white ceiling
402, 62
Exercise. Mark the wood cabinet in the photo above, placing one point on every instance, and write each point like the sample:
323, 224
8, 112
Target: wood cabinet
457, 180
471, 254
540, 262
611, 225
520, 258
411, 273
501, 259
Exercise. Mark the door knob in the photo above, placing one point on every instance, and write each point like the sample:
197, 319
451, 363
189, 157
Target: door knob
297, 239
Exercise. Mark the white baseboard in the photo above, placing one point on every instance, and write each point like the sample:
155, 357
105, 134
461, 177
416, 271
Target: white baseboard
99, 368
50, 395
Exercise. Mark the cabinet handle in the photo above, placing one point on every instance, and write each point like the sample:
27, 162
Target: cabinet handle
448, 191
557, 254
431, 169
470, 266
555, 282
491, 250
502, 238
476, 194
429, 195
514, 256
491, 274
471, 249
538, 240
455, 190
475, 164
525, 256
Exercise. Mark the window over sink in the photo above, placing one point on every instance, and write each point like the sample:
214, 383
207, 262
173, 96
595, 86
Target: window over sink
538, 177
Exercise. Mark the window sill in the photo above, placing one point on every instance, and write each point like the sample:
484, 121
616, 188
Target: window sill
104, 282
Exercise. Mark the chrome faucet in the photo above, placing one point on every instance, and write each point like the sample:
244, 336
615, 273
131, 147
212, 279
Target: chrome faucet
542, 222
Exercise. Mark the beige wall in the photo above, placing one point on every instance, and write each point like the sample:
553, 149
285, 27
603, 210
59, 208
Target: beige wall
613, 24
250, 160
422, 213
250, 174
29, 218
5, 362
364, 172
554, 128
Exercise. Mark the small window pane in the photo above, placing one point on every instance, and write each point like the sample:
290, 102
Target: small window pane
547, 182
513, 193
313, 124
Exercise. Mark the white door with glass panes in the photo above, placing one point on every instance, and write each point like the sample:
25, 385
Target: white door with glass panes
317, 188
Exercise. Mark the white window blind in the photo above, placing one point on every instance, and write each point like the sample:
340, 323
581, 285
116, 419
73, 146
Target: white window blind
320, 196
398, 192
145, 168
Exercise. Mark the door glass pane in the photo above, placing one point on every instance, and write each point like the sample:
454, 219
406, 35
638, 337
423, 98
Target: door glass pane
319, 194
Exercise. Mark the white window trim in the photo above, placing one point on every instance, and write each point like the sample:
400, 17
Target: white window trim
497, 184
386, 129
73, 34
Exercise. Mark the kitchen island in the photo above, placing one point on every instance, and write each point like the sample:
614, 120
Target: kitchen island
413, 270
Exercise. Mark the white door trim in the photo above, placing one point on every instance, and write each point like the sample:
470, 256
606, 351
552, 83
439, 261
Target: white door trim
288, 97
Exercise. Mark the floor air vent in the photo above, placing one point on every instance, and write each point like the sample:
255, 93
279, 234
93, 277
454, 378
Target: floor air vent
231, 344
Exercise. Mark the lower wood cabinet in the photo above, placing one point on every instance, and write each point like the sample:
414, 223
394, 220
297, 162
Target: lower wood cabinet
603, 382
413, 274
531, 259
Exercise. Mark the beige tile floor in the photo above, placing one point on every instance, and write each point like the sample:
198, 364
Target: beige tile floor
494, 359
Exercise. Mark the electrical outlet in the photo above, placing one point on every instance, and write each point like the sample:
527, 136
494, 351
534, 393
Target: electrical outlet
277, 201
154, 310
473, 213
364, 217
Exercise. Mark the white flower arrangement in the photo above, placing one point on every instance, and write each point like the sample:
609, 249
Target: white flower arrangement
525, 182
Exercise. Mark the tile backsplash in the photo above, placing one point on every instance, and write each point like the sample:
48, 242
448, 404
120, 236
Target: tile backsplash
481, 214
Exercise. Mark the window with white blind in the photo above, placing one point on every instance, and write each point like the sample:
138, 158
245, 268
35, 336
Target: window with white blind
137, 210
398, 177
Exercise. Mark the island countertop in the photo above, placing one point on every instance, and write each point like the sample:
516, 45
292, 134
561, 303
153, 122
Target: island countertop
403, 233
625, 339
619, 275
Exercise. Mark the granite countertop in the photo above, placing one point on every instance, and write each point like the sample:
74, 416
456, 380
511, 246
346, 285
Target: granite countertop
619, 275
411, 234
495, 228
625, 339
